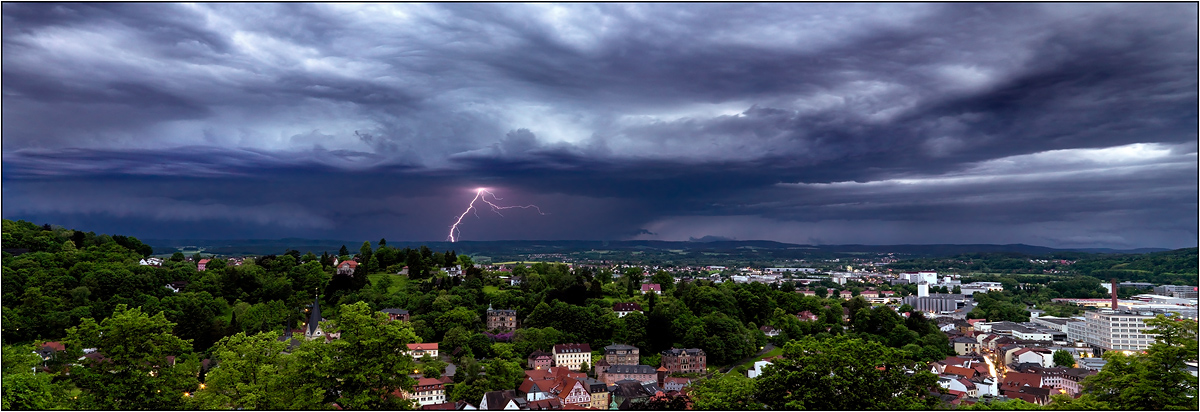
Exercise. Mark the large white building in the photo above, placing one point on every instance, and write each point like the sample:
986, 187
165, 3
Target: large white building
920, 277
1117, 330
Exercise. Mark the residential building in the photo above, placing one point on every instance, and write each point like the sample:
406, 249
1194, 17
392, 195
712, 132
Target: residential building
959, 384
503, 320
1040, 356
640, 373
651, 288
536, 389
574, 392
675, 384
599, 393
621, 355
845, 294
807, 316
572, 355
539, 360
630, 394
428, 391
200, 265
1072, 378
396, 314
684, 360
347, 267
502, 401
417, 350
758, 368
625, 308
769, 330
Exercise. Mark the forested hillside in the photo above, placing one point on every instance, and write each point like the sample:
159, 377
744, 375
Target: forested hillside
81, 288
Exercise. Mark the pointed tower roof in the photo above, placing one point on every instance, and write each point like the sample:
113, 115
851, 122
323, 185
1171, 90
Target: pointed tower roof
315, 317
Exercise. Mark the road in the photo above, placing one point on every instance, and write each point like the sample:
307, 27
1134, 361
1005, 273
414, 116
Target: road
764, 350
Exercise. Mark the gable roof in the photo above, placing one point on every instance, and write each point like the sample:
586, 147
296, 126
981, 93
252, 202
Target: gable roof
1018, 379
572, 348
626, 307
651, 286
395, 311
54, 346
422, 346
351, 263
959, 370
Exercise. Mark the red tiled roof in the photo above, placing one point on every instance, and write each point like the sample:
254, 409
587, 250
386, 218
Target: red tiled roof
57, 346
651, 286
960, 371
352, 264
429, 381
1017, 379
423, 346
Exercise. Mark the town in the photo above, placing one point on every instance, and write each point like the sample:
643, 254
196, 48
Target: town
460, 335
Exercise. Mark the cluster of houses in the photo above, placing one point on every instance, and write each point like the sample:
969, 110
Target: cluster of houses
553, 379
1009, 360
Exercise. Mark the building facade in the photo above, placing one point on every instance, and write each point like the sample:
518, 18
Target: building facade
503, 320
1177, 291
427, 391
621, 355
640, 373
684, 360
396, 314
539, 360
1107, 330
572, 355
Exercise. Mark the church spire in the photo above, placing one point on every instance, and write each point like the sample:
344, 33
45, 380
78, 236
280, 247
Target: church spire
314, 318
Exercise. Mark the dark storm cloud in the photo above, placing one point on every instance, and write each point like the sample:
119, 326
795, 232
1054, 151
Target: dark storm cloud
777, 121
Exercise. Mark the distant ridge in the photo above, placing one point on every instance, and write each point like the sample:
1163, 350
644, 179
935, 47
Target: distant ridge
276, 246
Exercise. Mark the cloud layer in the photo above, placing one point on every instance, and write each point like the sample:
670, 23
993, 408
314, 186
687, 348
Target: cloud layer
1070, 125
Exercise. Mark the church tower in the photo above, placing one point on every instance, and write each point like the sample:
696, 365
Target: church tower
313, 329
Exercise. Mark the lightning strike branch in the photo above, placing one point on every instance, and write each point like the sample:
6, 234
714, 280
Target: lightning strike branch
481, 194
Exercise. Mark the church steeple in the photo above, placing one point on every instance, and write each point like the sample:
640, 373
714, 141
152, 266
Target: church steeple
314, 318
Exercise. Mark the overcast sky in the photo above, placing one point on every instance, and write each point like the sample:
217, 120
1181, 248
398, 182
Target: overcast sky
1061, 125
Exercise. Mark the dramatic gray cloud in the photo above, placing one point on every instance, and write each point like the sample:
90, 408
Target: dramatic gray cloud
1071, 125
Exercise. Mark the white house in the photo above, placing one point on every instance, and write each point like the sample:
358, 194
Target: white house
758, 369
1039, 356
959, 384
986, 386
417, 350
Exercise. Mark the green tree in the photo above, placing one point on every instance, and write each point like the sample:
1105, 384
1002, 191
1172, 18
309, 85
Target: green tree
134, 372
1063, 359
369, 359
249, 369
24, 389
1157, 379
1009, 405
844, 373
725, 392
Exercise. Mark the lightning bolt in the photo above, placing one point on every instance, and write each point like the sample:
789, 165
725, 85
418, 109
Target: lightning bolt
481, 194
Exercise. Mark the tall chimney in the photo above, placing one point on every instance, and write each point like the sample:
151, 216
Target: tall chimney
1114, 293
